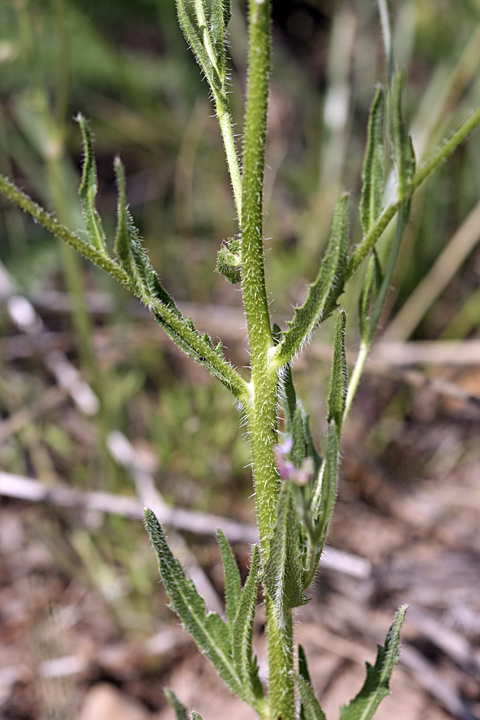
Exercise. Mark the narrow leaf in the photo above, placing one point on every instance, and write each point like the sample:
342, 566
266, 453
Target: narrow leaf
179, 709
338, 378
377, 682
290, 402
242, 634
371, 285
372, 174
217, 28
209, 631
195, 43
282, 575
195, 716
88, 191
302, 665
233, 586
304, 675
310, 706
402, 147
322, 506
324, 292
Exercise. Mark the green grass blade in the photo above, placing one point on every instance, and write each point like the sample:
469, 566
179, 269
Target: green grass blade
323, 293
233, 586
376, 686
372, 174
88, 191
209, 631
310, 706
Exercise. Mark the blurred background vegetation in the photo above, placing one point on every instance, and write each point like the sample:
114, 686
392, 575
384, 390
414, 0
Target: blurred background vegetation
126, 67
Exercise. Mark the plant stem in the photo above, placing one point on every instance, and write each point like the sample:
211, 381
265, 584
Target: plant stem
261, 411
262, 407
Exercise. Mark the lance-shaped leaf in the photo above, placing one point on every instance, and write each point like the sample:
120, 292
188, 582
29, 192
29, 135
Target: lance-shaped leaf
324, 292
88, 191
220, 12
304, 675
242, 631
377, 682
196, 43
209, 631
338, 378
371, 286
233, 586
372, 173
402, 147
282, 575
131, 254
324, 498
179, 709
310, 707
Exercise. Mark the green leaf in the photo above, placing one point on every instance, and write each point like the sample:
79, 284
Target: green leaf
338, 378
195, 42
242, 631
229, 262
324, 292
402, 147
209, 631
233, 586
303, 666
372, 174
303, 674
322, 505
298, 452
195, 716
371, 286
377, 682
217, 28
131, 254
282, 575
310, 706
88, 191
290, 399
179, 709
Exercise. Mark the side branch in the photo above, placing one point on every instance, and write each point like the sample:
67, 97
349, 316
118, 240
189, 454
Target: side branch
175, 324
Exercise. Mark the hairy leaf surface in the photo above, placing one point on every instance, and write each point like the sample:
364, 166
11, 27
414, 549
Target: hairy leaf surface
402, 147
338, 378
372, 174
233, 586
326, 289
377, 682
208, 630
88, 191
310, 706
282, 575
242, 633
179, 709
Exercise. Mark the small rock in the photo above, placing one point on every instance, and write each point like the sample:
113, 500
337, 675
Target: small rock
106, 702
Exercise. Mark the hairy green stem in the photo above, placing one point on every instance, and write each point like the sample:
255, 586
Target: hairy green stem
261, 411
262, 407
